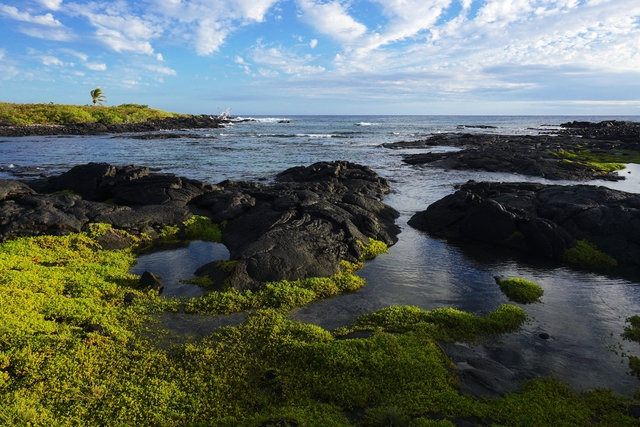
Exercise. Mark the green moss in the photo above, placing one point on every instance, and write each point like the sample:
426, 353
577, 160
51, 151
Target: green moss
169, 233
373, 248
267, 369
63, 192
603, 162
283, 294
587, 254
632, 332
447, 324
201, 228
204, 281
425, 422
521, 290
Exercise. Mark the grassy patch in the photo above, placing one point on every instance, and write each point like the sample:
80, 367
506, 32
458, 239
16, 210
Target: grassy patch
587, 254
61, 114
521, 290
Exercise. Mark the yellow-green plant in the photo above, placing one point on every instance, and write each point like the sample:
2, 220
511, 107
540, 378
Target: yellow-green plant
521, 290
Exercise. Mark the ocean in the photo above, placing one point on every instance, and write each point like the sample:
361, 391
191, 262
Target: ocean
583, 311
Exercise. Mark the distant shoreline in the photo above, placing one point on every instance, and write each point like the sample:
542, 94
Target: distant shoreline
170, 123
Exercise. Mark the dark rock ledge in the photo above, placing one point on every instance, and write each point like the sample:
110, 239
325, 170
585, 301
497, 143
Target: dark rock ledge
532, 155
171, 123
303, 225
544, 220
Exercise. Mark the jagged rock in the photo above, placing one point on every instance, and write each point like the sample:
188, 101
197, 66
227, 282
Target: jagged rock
532, 155
542, 219
303, 225
13, 189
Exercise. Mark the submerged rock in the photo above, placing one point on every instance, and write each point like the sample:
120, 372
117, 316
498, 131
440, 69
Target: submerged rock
545, 220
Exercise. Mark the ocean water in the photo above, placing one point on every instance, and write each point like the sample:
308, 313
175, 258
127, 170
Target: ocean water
583, 311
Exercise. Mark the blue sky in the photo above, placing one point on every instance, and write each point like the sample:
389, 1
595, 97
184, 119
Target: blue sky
327, 56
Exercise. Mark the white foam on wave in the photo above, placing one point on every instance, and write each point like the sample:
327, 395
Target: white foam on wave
366, 124
263, 119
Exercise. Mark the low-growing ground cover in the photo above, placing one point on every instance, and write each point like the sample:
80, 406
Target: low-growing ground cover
62, 114
520, 290
73, 353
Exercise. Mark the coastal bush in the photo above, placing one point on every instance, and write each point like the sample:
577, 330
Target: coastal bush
587, 254
61, 114
521, 290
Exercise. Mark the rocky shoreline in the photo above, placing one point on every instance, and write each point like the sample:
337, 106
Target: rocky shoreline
543, 220
546, 156
171, 123
302, 226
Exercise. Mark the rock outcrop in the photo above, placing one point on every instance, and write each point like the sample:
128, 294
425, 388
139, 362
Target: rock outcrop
548, 156
545, 220
303, 225
171, 123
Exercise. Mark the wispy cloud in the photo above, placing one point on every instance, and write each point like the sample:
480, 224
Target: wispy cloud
13, 13
278, 59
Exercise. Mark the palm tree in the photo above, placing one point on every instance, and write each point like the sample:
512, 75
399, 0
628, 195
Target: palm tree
98, 96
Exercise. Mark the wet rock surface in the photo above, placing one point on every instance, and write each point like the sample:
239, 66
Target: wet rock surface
303, 225
532, 155
172, 123
544, 220
479, 376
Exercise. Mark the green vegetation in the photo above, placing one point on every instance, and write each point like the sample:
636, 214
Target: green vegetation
604, 162
521, 290
587, 254
197, 227
75, 351
632, 333
61, 114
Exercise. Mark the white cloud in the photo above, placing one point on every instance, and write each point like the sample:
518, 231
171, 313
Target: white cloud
162, 70
55, 34
279, 59
51, 4
159, 57
47, 20
52, 60
208, 23
119, 29
332, 19
1, 54
313, 43
96, 66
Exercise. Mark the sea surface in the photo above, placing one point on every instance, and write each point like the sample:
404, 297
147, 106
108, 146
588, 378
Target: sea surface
583, 311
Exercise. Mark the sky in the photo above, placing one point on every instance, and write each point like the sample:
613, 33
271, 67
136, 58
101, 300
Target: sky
273, 57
